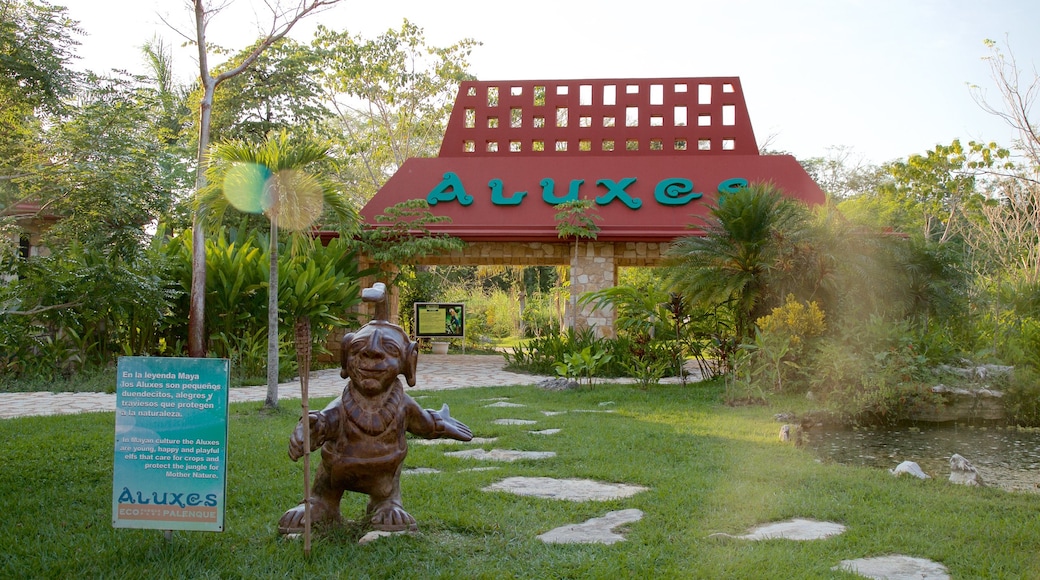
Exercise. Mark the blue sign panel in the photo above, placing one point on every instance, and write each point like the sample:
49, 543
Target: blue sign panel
170, 467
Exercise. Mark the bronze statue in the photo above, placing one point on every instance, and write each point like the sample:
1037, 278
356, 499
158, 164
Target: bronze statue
362, 432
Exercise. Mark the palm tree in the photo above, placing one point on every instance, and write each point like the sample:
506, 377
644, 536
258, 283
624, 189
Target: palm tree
283, 179
739, 254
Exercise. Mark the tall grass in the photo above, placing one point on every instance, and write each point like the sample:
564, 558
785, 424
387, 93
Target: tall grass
709, 468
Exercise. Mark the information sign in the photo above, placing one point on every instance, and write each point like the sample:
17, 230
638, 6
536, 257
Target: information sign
170, 467
440, 319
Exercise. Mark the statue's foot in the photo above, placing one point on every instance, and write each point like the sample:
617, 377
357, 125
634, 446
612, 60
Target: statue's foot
389, 516
292, 520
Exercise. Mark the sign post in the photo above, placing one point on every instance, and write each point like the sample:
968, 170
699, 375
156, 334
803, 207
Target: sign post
170, 465
440, 320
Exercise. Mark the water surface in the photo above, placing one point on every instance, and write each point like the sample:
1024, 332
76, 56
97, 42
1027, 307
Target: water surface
1008, 458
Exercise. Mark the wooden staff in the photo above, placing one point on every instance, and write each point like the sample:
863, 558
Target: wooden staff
303, 360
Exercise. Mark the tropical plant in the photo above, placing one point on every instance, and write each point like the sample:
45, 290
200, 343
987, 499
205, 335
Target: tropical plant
274, 178
733, 262
583, 365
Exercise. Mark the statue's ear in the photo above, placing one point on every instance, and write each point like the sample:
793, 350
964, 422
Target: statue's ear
344, 354
410, 363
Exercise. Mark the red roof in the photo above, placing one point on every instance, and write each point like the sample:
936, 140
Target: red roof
651, 153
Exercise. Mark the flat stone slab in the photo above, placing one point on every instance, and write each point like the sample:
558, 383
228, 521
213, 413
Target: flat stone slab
545, 432
895, 567
501, 454
565, 489
447, 441
420, 471
504, 404
514, 422
595, 531
376, 534
795, 529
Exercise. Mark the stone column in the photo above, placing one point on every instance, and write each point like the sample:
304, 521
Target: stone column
594, 268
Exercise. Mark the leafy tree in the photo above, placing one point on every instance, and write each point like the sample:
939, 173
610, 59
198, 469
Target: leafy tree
734, 261
842, 173
37, 42
281, 23
106, 169
392, 96
280, 91
404, 233
274, 178
36, 47
938, 184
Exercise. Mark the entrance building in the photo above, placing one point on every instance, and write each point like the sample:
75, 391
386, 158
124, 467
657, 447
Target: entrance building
652, 155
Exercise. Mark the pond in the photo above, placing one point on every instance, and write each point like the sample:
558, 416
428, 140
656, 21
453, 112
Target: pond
1005, 457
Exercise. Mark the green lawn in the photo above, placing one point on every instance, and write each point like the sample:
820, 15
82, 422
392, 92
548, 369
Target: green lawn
709, 468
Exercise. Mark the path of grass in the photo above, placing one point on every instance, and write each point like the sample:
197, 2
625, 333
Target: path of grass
709, 468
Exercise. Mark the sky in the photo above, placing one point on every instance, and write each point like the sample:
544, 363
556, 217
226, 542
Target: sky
882, 79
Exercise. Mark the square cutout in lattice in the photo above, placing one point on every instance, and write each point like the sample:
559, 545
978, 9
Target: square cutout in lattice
561, 116
631, 116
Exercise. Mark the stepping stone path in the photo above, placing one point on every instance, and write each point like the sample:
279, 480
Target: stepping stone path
565, 489
895, 568
796, 529
594, 531
501, 454
420, 471
446, 441
600, 530
882, 568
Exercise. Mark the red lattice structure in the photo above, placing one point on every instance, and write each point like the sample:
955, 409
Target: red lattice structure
619, 118
651, 154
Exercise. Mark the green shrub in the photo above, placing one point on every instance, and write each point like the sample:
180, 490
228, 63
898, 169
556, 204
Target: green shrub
1022, 397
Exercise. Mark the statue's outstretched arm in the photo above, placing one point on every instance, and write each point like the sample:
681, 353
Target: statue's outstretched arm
431, 424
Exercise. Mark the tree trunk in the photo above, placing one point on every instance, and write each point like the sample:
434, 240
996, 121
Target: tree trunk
197, 308
272, 317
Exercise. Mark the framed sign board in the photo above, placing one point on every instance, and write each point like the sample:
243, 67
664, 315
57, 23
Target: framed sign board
440, 320
170, 464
